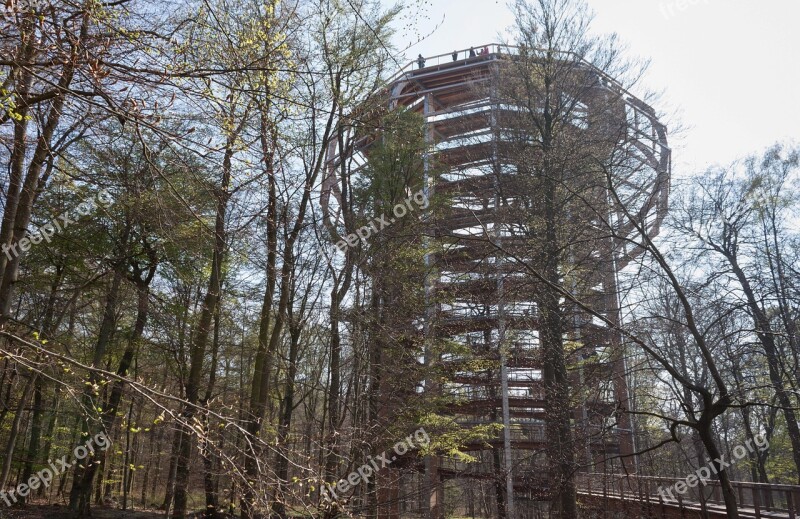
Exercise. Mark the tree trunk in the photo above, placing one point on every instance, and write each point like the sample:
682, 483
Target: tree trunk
36, 420
259, 388
80, 494
30, 187
202, 332
265, 356
728, 494
127, 460
51, 427
212, 500
767, 339
554, 370
282, 463
173, 466
36, 432
14, 432
25, 54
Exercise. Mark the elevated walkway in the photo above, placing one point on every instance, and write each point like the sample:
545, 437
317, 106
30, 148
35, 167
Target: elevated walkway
644, 496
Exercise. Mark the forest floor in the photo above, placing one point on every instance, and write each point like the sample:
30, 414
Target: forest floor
62, 512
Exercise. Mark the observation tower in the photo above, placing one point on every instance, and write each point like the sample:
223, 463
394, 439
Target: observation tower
481, 155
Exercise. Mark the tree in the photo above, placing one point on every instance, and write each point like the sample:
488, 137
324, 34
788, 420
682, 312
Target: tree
735, 216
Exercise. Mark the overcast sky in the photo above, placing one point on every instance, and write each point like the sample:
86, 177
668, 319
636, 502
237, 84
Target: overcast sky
729, 69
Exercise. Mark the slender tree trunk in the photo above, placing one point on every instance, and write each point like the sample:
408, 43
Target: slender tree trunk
499, 481
36, 432
30, 186
212, 500
767, 339
102, 469
265, 356
192, 398
282, 463
25, 54
334, 389
77, 428
259, 388
80, 493
173, 466
151, 473
341, 286
202, 332
13, 434
51, 427
728, 494
36, 419
374, 389
127, 461
6, 381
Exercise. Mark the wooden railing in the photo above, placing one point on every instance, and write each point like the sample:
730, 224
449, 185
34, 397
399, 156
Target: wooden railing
499, 49
753, 499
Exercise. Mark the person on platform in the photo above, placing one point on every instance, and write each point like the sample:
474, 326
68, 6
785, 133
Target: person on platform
421, 61
485, 50
455, 55
471, 52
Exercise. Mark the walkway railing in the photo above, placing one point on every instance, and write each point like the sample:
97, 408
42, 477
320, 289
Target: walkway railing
753, 499
462, 56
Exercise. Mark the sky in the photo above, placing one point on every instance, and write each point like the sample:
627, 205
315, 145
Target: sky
728, 70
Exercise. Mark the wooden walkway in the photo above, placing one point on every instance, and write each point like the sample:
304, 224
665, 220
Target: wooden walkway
644, 496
